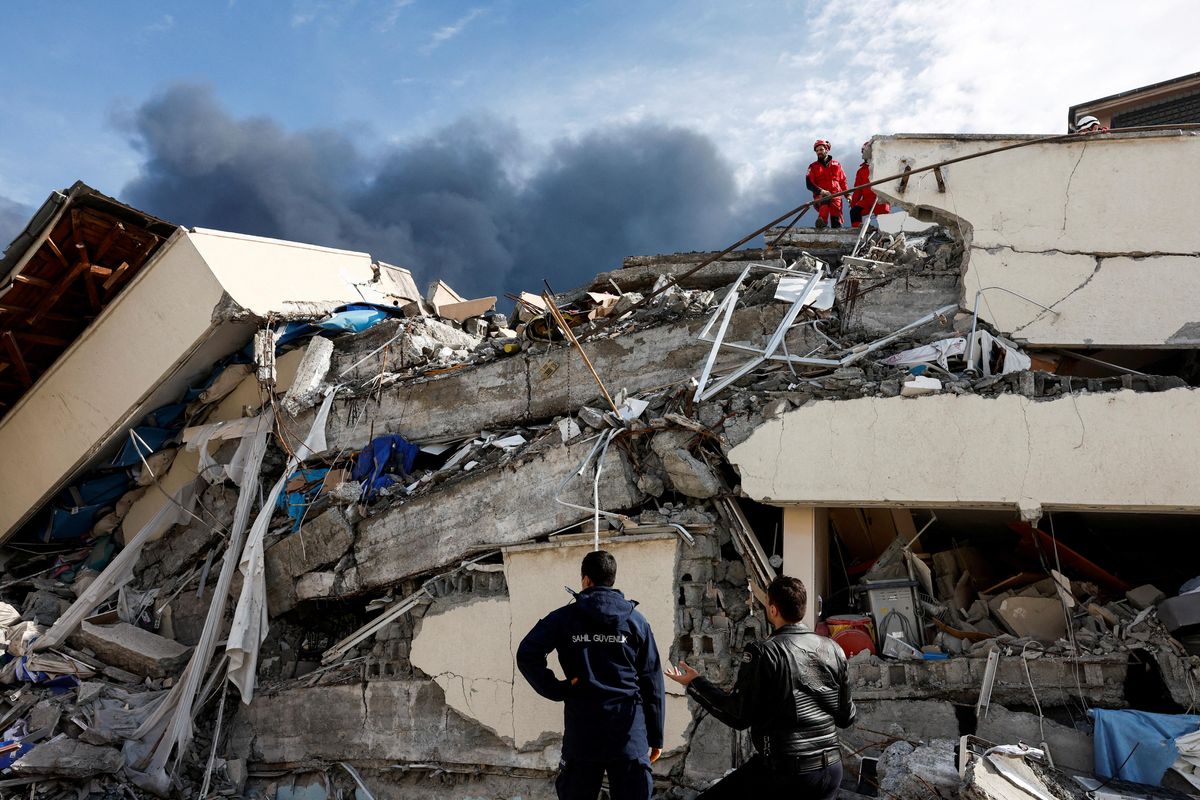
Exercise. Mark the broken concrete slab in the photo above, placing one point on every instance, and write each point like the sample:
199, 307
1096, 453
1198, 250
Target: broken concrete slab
397, 544
1070, 748
903, 719
320, 541
310, 375
1038, 617
710, 752
68, 758
315, 585
541, 385
1101, 678
1145, 596
918, 773
689, 475
130, 648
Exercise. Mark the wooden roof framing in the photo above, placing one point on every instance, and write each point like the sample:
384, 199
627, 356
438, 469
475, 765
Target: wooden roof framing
93, 248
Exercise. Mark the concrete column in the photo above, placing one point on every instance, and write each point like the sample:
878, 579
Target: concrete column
806, 552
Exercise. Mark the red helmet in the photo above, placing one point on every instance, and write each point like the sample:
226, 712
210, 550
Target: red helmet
821, 143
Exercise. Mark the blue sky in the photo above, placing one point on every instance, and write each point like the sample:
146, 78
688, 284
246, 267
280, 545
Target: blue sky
451, 135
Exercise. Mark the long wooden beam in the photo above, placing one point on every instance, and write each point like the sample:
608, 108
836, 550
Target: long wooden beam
53, 295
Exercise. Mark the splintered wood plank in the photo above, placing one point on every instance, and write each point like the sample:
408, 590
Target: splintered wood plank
33, 281
18, 360
103, 272
114, 281
116, 276
57, 253
53, 295
93, 294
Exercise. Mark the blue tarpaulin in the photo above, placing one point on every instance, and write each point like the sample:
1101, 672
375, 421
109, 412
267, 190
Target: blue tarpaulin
390, 450
297, 502
353, 318
1136, 745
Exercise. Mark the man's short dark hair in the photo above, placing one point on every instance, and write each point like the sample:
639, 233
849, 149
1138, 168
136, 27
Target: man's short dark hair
600, 567
789, 597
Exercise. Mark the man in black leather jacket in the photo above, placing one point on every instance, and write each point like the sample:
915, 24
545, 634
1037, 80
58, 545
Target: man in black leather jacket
792, 693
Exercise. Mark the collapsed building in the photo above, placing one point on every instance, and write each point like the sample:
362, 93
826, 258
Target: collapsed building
276, 521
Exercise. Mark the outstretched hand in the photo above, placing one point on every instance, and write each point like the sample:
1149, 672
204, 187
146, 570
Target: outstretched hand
683, 674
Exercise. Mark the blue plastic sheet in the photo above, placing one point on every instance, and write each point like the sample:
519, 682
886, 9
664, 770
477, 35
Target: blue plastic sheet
1136, 745
297, 503
150, 440
384, 452
9, 756
352, 318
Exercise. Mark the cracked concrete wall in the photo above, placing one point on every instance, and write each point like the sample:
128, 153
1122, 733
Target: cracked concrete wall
381, 722
1088, 227
469, 649
1122, 450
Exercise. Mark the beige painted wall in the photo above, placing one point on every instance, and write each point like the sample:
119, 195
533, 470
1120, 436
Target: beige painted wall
271, 275
479, 679
94, 384
1122, 450
1087, 227
105, 380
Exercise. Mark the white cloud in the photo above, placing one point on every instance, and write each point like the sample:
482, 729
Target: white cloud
395, 8
162, 25
880, 66
445, 34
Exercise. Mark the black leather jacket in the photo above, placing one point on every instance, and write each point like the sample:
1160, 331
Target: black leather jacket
791, 691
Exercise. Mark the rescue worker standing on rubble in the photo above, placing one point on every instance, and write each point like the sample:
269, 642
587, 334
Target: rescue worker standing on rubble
792, 693
862, 199
613, 691
825, 177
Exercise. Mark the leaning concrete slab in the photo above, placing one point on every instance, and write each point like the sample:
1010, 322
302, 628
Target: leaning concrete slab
503, 506
318, 542
69, 759
538, 386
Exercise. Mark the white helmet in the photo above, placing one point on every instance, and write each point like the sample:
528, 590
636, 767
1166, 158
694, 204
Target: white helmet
1084, 122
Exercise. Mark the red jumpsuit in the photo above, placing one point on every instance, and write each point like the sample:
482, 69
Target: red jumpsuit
827, 175
861, 200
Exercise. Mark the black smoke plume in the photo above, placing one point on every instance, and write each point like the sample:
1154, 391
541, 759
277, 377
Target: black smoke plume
448, 205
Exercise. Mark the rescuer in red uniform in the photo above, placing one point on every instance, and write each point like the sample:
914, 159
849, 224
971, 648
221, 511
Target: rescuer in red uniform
826, 177
862, 200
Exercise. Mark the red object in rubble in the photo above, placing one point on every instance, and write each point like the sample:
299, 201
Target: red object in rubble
854, 633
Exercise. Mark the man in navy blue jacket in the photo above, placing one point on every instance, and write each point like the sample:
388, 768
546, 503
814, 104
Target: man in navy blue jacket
613, 690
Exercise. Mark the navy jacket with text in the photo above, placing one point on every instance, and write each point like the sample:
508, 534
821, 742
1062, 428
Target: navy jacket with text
613, 692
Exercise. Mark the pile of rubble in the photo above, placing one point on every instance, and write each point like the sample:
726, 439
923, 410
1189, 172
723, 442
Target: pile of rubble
322, 532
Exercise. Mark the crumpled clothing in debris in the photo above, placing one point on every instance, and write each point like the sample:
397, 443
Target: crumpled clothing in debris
383, 451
